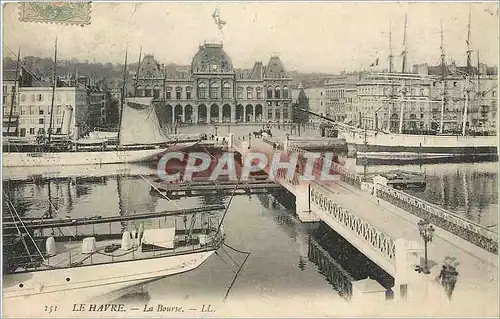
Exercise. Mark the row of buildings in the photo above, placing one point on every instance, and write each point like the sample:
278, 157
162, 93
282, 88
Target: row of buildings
426, 100
27, 104
210, 90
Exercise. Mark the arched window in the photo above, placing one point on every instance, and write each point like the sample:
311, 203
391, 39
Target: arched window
148, 91
249, 92
178, 93
259, 92
269, 92
139, 92
277, 92
156, 92
240, 92
202, 90
285, 92
214, 90
188, 92
226, 90
168, 93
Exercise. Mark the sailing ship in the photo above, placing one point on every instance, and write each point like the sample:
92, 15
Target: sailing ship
40, 261
140, 138
394, 143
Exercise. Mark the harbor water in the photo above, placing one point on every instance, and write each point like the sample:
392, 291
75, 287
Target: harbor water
280, 264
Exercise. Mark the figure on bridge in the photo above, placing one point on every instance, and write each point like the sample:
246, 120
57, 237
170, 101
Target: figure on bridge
449, 275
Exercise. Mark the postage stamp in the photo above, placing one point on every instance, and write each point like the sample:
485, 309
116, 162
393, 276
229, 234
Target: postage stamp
56, 12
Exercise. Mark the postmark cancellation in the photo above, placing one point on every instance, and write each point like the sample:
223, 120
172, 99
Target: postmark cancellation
75, 13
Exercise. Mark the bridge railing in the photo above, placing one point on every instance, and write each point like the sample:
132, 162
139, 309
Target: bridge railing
345, 175
268, 141
377, 239
466, 229
282, 174
338, 277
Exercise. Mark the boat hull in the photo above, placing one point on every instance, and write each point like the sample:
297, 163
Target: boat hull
80, 158
415, 147
89, 282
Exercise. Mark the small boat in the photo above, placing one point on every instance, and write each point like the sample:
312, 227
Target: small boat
403, 179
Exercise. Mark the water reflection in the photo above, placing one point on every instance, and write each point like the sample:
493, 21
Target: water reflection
264, 224
350, 264
469, 189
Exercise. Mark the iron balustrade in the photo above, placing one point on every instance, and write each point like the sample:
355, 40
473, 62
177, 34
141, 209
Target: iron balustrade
268, 141
377, 239
345, 175
282, 174
457, 225
340, 279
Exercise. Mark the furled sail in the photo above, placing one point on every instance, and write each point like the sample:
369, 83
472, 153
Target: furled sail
139, 123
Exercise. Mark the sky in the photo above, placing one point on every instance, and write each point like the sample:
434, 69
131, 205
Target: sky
308, 37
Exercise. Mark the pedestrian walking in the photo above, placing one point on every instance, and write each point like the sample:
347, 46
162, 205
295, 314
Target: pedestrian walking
452, 280
442, 274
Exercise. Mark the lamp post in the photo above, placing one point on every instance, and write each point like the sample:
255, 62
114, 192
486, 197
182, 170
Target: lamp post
426, 232
215, 129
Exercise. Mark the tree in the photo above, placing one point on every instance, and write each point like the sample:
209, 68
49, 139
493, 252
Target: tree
302, 103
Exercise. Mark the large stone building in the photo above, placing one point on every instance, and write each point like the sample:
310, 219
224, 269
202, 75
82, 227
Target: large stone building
448, 94
397, 102
340, 97
211, 91
415, 102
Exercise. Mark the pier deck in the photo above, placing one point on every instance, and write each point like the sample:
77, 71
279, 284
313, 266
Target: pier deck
192, 189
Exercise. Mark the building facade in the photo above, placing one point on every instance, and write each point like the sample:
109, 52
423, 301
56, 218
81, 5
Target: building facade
396, 102
340, 97
98, 101
211, 91
419, 102
10, 109
453, 91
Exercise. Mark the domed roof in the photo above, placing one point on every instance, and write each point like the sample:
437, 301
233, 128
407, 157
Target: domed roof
211, 58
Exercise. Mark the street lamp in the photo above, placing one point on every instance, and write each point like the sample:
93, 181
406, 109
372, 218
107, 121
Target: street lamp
215, 129
426, 232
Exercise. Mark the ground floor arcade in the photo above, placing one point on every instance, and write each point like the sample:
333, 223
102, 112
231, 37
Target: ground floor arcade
223, 113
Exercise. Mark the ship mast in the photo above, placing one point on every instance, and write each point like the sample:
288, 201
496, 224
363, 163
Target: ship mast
137, 73
122, 99
391, 58
479, 93
403, 69
14, 90
469, 51
403, 54
54, 79
443, 79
